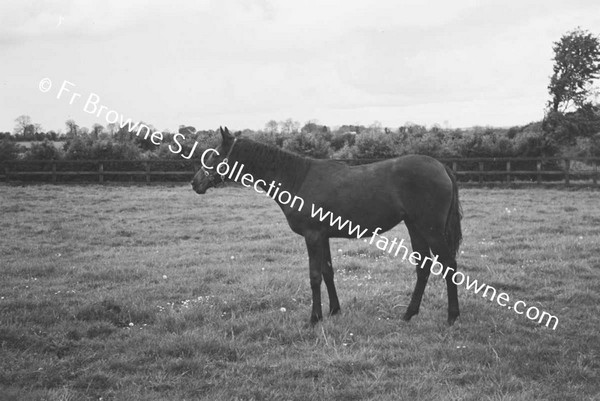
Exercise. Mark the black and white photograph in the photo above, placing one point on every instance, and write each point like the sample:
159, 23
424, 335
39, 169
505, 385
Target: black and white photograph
283, 200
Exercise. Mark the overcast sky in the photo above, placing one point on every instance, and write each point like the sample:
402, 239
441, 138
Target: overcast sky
241, 63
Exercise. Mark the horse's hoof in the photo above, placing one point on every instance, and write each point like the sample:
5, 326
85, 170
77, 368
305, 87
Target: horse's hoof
408, 315
334, 311
452, 319
315, 319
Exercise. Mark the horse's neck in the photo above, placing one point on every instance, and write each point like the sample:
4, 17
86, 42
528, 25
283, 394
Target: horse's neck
288, 173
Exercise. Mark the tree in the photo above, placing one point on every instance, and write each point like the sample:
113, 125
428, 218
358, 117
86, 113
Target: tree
272, 127
576, 66
23, 122
97, 130
289, 127
71, 128
375, 128
43, 151
112, 128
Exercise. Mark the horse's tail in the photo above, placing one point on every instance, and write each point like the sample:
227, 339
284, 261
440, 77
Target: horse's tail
453, 230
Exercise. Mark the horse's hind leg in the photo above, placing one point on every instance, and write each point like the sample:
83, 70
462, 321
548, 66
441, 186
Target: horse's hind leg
436, 242
420, 245
445, 257
334, 303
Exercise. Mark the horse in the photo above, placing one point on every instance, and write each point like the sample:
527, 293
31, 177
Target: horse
416, 189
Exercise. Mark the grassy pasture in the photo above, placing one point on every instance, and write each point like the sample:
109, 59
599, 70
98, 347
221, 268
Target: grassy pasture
156, 293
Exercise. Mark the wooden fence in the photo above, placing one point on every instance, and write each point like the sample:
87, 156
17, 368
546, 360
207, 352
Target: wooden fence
476, 171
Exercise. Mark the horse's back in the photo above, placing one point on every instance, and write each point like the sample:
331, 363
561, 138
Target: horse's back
375, 195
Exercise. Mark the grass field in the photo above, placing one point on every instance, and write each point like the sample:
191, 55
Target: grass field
156, 293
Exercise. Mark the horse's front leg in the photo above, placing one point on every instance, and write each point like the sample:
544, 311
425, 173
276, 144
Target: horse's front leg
334, 303
316, 259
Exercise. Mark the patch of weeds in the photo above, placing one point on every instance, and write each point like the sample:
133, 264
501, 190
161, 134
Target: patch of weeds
262, 333
352, 367
94, 382
42, 312
509, 260
59, 348
194, 366
107, 310
190, 345
13, 339
352, 266
234, 329
218, 350
110, 311
41, 270
178, 346
63, 394
200, 289
214, 275
115, 274
466, 378
124, 367
100, 329
73, 335
171, 323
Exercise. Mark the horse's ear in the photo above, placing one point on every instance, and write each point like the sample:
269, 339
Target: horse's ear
225, 134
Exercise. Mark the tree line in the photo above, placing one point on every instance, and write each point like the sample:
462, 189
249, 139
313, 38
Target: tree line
570, 127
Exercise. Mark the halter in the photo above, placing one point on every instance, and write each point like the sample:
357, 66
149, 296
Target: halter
225, 160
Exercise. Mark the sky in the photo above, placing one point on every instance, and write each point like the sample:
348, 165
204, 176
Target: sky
241, 63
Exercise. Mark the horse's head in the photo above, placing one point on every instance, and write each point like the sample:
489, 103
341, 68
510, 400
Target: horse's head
208, 176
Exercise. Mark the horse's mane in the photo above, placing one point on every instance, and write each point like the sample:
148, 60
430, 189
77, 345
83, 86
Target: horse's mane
259, 156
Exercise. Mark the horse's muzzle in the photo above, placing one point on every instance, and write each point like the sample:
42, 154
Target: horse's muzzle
198, 190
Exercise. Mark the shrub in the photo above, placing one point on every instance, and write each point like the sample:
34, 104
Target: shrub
308, 144
43, 151
10, 150
108, 149
270, 138
429, 143
78, 148
340, 140
374, 145
346, 152
533, 144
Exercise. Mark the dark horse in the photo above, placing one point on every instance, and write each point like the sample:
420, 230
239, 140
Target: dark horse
418, 190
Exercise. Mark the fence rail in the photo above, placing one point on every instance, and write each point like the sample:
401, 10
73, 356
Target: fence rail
477, 171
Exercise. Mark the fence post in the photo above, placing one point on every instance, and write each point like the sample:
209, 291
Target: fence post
147, 173
454, 166
508, 171
53, 171
539, 173
480, 172
567, 170
101, 172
